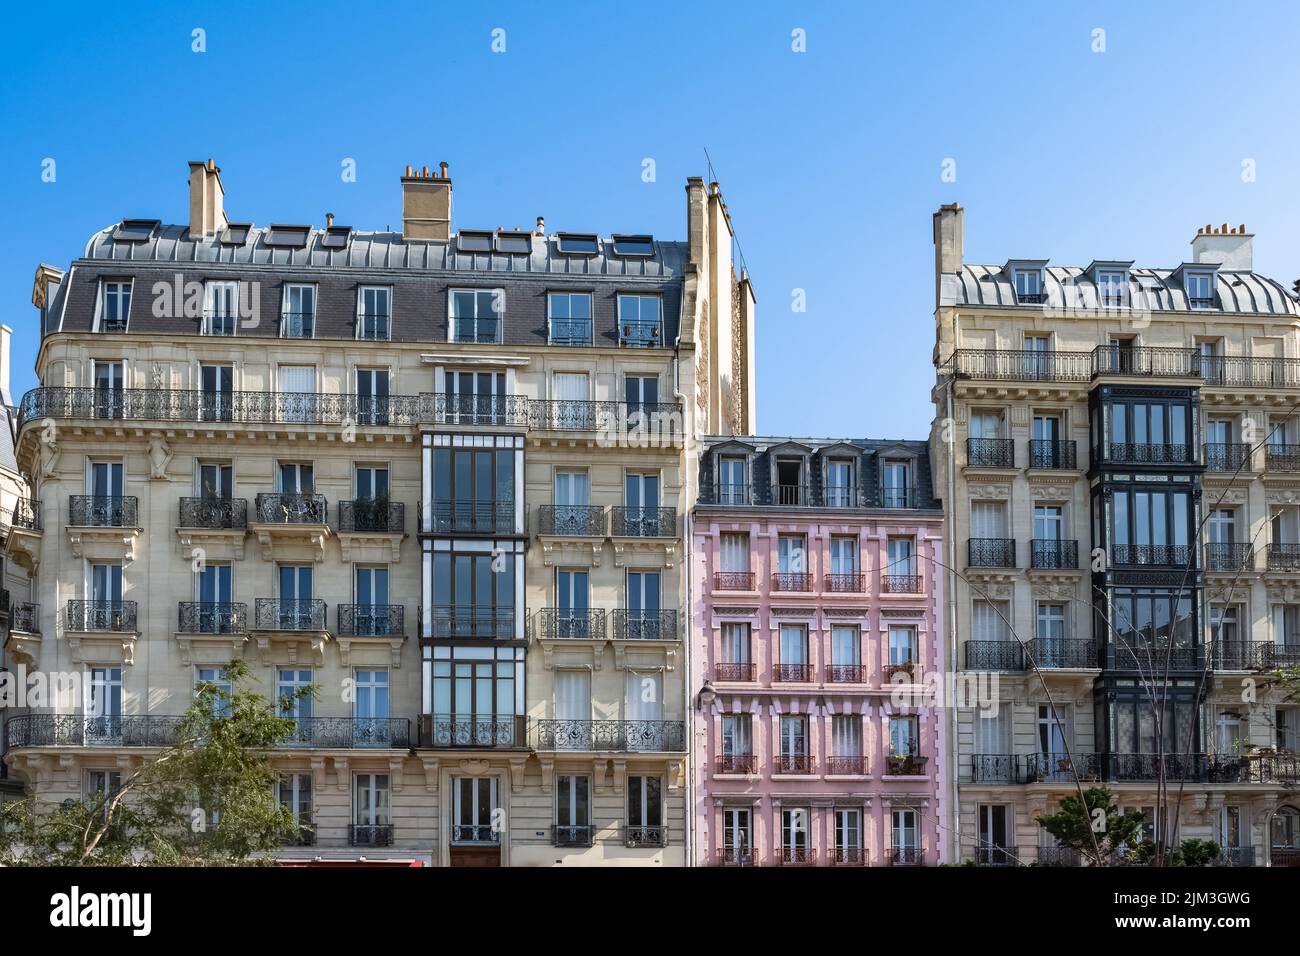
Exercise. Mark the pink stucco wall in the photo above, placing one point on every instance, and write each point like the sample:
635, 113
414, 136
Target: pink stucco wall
874, 791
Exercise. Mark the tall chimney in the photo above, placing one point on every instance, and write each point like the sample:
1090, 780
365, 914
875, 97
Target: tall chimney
207, 200
6, 334
949, 243
1230, 249
426, 205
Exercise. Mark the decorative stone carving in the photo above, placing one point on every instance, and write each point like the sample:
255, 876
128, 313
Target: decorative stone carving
160, 456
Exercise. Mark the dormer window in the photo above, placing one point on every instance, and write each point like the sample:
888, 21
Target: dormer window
840, 483
289, 237
135, 230
473, 241
789, 482
514, 241
639, 247
733, 482
1200, 289
1029, 286
1111, 287
576, 243
116, 306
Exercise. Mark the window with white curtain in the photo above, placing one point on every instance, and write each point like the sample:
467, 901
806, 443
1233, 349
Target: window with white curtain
733, 552
988, 519
735, 642
573, 695
993, 731
845, 646
846, 735
989, 621
644, 695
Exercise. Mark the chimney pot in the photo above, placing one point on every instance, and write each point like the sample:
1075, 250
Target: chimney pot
329, 220
444, 170
424, 173
408, 170
1242, 228
541, 226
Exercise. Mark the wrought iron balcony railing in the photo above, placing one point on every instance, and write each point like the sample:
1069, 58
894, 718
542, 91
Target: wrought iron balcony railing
643, 736
578, 415
643, 522
81, 730
470, 517
792, 495
1052, 454
1059, 856
994, 656
990, 452
854, 765
1229, 457
484, 331
1146, 361
1284, 557
371, 620
1152, 555
847, 673
640, 333
729, 493
1063, 653
796, 856
792, 763
1273, 656
297, 325
370, 834
1282, 458
452, 621
571, 835
997, 856
1152, 658
1244, 370
1022, 365
792, 673
732, 671
733, 581
445, 408
901, 583
906, 856
375, 515
211, 617
25, 618
898, 498
278, 614
996, 768
847, 856
572, 521
1146, 767
1229, 556
792, 581
738, 764
735, 856
1148, 453
94, 511
504, 731
645, 836
584, 624
1054, 554
214, 513
642, 625
1236, 655
570, 332
27, 514
285, 508
475, 833
392, 733
854, 583
101, 616
904, 765
991, 553
900, 672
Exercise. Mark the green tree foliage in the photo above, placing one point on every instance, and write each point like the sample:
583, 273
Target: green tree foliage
1094, 826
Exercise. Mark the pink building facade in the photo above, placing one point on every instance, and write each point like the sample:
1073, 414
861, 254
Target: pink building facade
816, 592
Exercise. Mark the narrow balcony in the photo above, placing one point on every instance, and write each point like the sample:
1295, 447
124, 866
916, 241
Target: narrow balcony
792, 673
793, 581
991, 553
213, 513
1054, 554
1147, 453
848, 856
618, 736
478, 331
469, 517
636, 837
23, 535
372, 516
475, 833
727, 494
25, 618
571, 835
900, 583
370, 834
792, 764
1152, 555
580, 415
641, 625
640, 334
81, 730
994, 656
1052, 455
571, 521
450, 622
796, 856
1021, 365
1282, 458
442, 408
1284, 557
900, 669
1227, 457
627, 522
1273, 656
853, 583
1237, 655
904, 765
112, 616
854, 765
736, 672
737, 764
351, 733
211, 617
996, 768
997, 856
735, 856
1229, 556
1252, 372
570, 332
1146, 361
490, 732
1062, 653
26, 515
906, 856
990, 453
733, 581
1152, 658
278, 614
570, 624
91, 511
290, 509
847, 674
371, 620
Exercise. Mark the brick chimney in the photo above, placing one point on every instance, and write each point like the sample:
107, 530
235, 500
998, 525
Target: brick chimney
207, 200
1229, 248
426, 204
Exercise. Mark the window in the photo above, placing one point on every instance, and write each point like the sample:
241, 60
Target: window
103, 703
292, 237
110, 382
370, 808
295, 609
371, 726
572, 810
848, 836
298, 320
840, 485
1286, 720
1151, 527
846, 738
1148, 431
476, 315
576, 243
844, 555
115, 309
569, 315
897, 484
792, 555
296, 398
903, 827
220, 681
846, 643
733, 552
645, 811
102, 784
900, 555
235, 233
904, 736
221, 308
733, 486
1111, 287
1228, 726
794, 743
292, 700
1200, 289
467, 241
734, 656
795, 824
516, 242
217, 398
294, 793
372, 396
737, 836
474, 809
1051, 622
794, 652
737, 744
374, 310
638, 321
473, 490
641, 516
335, 237
135, 230
902, 645
475, 694
635, 246
1029, 285
989, 621
994, 834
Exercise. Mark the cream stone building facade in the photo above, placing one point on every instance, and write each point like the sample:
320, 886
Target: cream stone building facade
440, 475
1117, 450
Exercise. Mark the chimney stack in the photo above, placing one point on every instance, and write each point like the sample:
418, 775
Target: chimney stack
541, 226
426, 205
207, 200
1229, 249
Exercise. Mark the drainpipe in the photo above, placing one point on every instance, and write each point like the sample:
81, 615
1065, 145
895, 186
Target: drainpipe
688, 683
954, 761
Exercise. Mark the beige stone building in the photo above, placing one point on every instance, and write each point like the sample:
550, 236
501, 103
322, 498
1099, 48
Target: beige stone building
1118, 454
438, 474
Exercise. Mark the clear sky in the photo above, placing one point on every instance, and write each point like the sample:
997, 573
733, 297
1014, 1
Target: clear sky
831, 159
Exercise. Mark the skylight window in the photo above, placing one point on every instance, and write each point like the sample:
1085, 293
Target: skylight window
236, 233
474, 241
294, 237
135, 230
336, 237
577, 243
516, 241
634, 246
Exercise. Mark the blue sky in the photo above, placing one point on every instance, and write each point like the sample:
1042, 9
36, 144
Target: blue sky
830, 159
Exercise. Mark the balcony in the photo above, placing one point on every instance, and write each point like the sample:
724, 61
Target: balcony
1063, 653
350, 733
1152, 555
1229, 458
905, 765
451, 731
372, 516
80, 730
906, 856
1146, 767
991, 553
484, 331
1274, 656
1284, 557
796, 856
276, 614
996, 856
640, 334
895, 668
735, 856
1244, 370
1053, 554
1147, 453
1236, 655
1150, 658
848, 856
370, 834
620, 736
114, 616
994, 656
475, 833
900, 583
469, 517
445, 408
450, 622
290, 509
855, 583
1059, 856
794, 581
26, 515
1052, 455
90, 511
847, 674
741, 673
564, 835
733, 581
571, 521
1282, 458
642, 625
578, 415
894, 498
990, 453
628, 522
371, 620
1284, 856
636, 837
846, 766
1223, 557
792, 764
727, 494
737, 764
213, 513
1146, 361
211, 617
996, 768
25, 618
570, 332
1021, 365
569, 624
792, 673
297, 325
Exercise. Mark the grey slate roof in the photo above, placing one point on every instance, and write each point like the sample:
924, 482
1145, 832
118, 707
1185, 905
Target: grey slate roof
1071, 287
